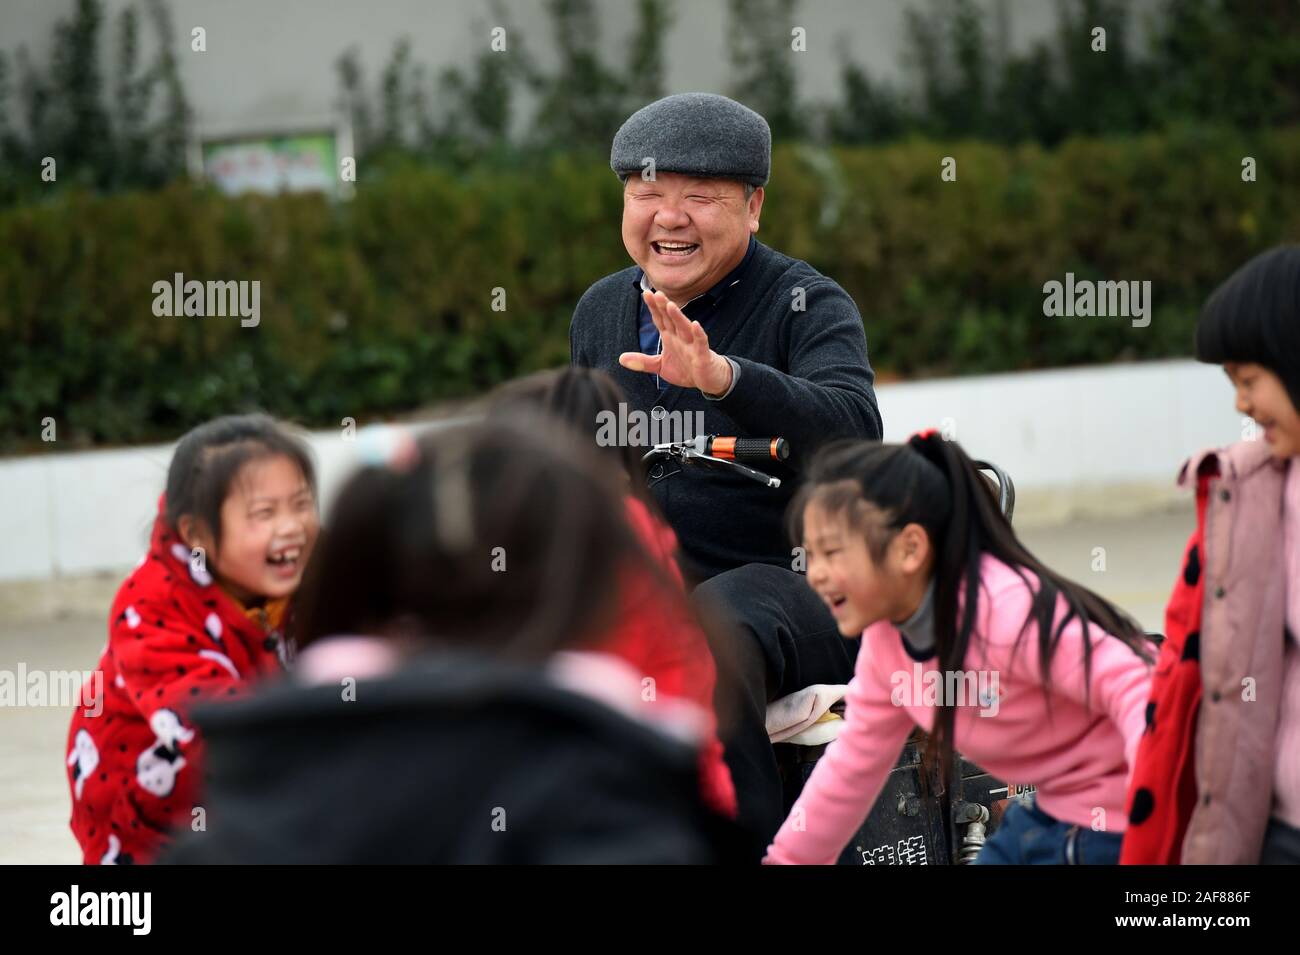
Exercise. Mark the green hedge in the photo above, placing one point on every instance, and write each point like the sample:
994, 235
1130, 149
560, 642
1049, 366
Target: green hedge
383, 303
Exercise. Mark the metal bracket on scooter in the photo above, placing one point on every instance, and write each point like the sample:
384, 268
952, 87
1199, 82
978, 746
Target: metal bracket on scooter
661, 471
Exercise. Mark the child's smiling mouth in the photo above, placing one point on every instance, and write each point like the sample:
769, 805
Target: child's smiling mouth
284, 562
836, 602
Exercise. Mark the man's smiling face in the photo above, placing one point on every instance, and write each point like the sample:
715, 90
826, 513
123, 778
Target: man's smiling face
687, 233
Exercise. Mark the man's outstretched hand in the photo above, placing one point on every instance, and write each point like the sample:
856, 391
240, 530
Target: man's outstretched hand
686, 360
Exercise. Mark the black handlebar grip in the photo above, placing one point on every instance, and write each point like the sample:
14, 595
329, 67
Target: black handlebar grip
760, 450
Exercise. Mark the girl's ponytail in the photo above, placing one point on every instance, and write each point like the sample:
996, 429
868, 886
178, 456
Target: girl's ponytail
971, 511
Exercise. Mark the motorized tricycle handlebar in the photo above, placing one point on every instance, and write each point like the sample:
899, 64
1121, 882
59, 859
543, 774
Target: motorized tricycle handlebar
726, 453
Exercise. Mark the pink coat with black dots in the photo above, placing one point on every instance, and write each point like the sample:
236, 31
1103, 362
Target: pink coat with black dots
174, 639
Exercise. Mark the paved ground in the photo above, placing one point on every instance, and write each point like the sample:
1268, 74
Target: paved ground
1141, 562
1142, 556
34, 797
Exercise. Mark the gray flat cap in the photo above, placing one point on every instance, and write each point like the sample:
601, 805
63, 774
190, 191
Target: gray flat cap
697, 134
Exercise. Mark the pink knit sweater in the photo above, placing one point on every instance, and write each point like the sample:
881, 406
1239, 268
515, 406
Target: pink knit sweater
1079, 756
1286, 774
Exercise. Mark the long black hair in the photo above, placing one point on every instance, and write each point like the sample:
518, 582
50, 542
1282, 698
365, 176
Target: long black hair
1254, 316
500, 538
578, 397
881, 488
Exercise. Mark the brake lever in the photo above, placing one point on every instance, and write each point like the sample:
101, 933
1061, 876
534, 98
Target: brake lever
765, 479
687, 455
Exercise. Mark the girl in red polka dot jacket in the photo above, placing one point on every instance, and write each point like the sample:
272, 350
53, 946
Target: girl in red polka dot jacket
1217, 778
202, 616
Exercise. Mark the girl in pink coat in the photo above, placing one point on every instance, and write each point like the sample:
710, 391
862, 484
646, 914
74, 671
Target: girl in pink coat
968, 636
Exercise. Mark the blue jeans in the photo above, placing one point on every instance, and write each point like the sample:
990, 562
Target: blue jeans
1281, 844
1029, 836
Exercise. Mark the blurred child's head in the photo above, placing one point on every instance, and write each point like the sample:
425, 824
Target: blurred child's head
502, 538
578, 397
868, 518
244, 489
1251, 326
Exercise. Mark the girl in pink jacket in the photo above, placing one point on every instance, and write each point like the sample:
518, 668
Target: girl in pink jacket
965, 634
1217, 778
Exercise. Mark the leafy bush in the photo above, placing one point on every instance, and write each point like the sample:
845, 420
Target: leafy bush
385, 303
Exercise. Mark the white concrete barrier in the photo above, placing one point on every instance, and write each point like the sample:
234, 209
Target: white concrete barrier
1101, 430
1075, 428
87, 512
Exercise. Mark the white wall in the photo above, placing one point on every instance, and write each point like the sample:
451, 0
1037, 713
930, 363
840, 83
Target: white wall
1101, 429
65, 515
268, 62
1076, 428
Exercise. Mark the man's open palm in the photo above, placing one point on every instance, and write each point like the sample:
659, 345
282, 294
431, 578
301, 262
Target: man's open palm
686, 359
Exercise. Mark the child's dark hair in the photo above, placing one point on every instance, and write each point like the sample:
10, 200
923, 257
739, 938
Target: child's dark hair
209, 458
1254, 316
578, 397
881, 488
504, 538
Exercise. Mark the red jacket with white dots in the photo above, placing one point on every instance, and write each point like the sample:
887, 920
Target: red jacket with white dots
174, 638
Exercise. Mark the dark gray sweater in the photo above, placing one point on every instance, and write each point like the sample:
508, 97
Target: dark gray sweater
804, 376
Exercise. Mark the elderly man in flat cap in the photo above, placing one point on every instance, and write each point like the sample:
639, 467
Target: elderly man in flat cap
710, 320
